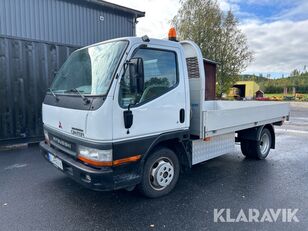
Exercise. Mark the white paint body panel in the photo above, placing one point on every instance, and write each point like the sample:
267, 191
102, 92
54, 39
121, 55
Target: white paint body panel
106, 124
99, 122
196, 87
67, 117
97, 125
160, 115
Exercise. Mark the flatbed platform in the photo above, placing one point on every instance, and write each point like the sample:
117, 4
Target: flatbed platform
222, 117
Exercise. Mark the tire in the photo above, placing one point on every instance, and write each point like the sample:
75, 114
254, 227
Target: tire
160, 174
258, 149
245, 147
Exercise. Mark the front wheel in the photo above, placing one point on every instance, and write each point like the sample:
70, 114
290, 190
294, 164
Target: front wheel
160, 174
258, 149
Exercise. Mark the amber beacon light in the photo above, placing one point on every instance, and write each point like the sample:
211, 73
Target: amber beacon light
172, 34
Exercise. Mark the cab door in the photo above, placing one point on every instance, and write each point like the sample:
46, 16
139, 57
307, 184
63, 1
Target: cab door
160, 107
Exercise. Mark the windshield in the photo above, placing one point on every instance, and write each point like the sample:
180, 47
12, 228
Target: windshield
89, 70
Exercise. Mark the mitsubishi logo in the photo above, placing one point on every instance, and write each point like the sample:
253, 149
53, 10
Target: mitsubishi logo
60, 125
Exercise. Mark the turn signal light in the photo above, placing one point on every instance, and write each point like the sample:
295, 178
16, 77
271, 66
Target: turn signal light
109, 163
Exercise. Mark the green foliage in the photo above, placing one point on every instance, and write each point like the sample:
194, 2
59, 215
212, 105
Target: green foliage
157, 81
295, 72
300, 82
218, 36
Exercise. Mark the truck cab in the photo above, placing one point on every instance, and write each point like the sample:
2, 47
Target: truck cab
130, 111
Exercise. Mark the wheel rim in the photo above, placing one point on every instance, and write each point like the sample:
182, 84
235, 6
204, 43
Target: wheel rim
264, 144
161, 173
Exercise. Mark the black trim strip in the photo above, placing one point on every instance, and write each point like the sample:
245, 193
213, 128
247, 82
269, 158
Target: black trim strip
122, 149
74, 102
87, 143
72, 152
143, 146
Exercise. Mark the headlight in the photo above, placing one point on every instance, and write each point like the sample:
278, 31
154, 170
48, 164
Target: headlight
95, 156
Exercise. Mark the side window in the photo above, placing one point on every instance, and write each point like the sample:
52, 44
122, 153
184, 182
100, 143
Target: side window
160, 75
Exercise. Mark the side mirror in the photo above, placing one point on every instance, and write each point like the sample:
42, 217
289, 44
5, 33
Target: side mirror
136, 75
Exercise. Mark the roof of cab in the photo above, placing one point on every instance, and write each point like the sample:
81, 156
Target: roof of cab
132, 40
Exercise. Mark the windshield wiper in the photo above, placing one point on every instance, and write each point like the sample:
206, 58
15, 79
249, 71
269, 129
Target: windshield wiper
75, 90
52, 92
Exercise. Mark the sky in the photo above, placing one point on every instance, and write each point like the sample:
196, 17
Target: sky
276, 30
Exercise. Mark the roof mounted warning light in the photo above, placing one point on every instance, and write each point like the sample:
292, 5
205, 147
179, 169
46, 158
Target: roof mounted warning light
172, 34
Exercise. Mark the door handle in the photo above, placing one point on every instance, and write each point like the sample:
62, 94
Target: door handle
182, 115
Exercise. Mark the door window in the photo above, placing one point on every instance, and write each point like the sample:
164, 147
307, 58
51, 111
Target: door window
160, 76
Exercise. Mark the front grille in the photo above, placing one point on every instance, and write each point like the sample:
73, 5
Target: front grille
63, 145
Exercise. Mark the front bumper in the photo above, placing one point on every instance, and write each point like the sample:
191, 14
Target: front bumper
101, 179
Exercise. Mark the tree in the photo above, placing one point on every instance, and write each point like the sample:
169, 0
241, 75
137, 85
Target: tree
218, 35
295, 72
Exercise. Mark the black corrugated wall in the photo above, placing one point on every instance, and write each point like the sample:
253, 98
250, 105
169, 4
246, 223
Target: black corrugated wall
26, 70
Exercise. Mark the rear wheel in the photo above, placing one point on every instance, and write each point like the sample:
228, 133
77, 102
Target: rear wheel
258, 149
160, 174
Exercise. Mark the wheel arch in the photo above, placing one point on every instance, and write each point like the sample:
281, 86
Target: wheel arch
176, 141
255, 134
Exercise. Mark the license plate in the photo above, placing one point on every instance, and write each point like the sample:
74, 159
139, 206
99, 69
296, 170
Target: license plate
55, 161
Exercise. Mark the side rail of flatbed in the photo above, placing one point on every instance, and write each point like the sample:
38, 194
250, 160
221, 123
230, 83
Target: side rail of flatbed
223, 117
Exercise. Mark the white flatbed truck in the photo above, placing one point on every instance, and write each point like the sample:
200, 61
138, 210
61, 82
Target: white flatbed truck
131, 112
